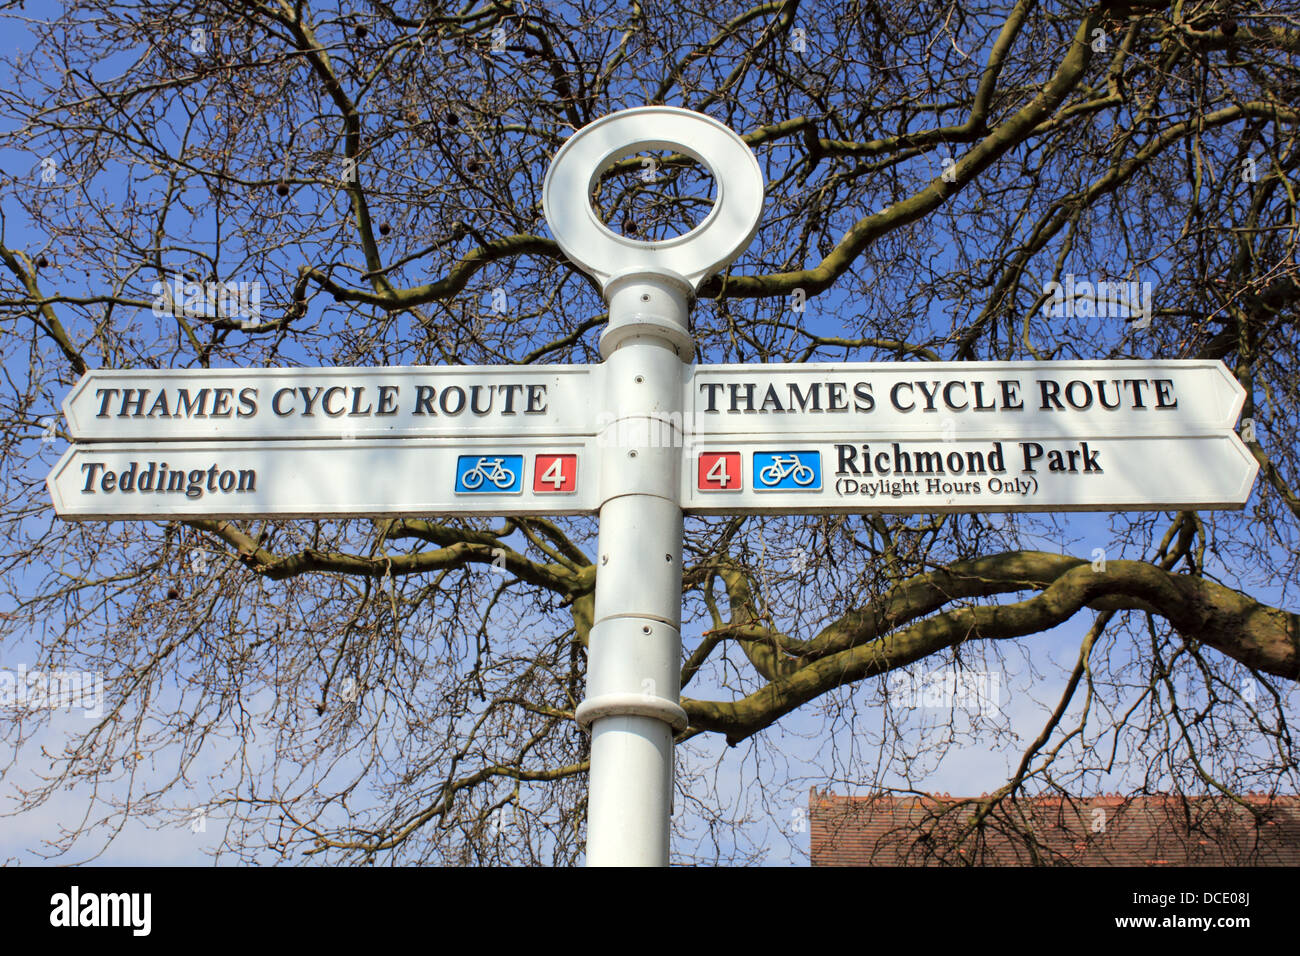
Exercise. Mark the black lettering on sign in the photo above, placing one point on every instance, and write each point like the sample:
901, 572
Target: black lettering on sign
309, 399
424, 395
357, 394
475, 393
734, 391
812, 397
221, 403
327, 403
160, 403
107, 394
133, 398
536, 400
460, 400
154, 477
508, 392
195, 407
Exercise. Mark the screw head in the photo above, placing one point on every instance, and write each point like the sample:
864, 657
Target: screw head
645, 628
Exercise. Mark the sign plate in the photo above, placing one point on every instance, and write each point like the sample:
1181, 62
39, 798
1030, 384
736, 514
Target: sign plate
314, 479
1003, 474
273, 404
846, 400
962, 399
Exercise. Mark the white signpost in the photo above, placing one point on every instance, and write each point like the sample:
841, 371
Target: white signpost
643, 438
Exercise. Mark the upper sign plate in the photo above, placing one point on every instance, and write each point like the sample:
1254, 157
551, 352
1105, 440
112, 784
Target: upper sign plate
846, 401
302, 403
954, 400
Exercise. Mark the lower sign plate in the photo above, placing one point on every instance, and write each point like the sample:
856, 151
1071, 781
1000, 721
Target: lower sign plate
330, 478
1020, 474
313, 479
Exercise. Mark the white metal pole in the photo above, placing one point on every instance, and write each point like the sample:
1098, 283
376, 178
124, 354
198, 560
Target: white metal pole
634, 647
634, 651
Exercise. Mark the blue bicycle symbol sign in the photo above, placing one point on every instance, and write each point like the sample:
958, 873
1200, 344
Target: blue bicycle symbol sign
787, 471
489, 473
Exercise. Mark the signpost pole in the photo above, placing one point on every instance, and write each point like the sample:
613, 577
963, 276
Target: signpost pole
634, 649
634, 646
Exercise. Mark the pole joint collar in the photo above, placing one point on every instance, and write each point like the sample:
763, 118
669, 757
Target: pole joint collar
631, 705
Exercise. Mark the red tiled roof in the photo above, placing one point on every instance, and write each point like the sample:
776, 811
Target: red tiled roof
1143, 830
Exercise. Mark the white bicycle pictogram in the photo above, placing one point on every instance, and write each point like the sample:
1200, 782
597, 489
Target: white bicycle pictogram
493, 469
783, 467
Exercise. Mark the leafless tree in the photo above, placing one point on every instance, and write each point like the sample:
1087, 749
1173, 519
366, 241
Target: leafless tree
388, 691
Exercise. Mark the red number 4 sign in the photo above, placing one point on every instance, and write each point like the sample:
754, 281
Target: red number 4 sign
720, 471
555, 473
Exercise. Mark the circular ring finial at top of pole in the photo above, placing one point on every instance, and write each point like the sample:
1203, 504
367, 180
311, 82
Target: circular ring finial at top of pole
692, 257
